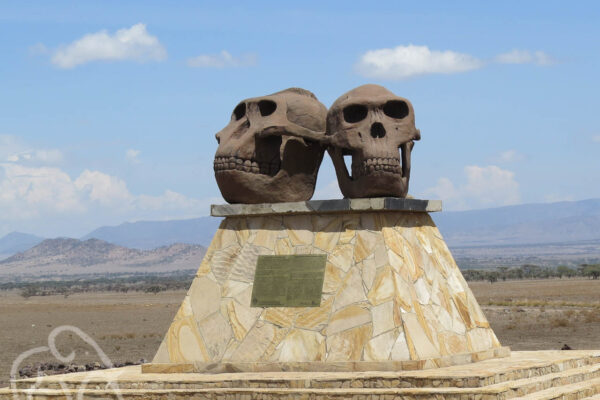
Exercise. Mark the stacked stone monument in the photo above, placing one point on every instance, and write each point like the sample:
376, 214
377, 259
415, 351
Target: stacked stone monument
351, 298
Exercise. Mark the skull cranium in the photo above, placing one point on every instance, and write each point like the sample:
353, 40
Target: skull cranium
272, 148
376, 128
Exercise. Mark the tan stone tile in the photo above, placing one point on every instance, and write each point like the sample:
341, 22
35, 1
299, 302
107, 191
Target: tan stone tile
162, 355
342, 256
326, 240
350, 223
368, 271
479, 339
283, 247
383, 318
348, 345
380, 254
423, 322
403, 292
184, 342
217, 333
383, 287
301, 346
204, 297
225, 235
393, 240
273, 349
333, 278
315, 318
444, 319
346, 318
242, 232
463, 310
244, 265
380, 347
281, 316
299, 229
400, 351
365, 245
222, 262
204, 268
351, 291
303, 249
423, 238
241, 318
453, 343
232, 288
423, 291
269, 230
418, 337
259, 339
244, 297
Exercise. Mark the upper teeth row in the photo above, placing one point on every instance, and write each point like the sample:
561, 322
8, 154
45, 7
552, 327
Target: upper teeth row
377, 164
246, 165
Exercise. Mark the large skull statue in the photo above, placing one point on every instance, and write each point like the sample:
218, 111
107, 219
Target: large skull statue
377, 129
272, 149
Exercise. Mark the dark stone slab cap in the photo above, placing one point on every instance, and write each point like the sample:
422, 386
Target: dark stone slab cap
327, 206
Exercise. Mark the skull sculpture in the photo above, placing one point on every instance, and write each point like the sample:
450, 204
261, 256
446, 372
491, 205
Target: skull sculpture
272, 148
376, 128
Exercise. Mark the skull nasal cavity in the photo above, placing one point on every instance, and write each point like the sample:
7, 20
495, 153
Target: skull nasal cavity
377, 130
267, 107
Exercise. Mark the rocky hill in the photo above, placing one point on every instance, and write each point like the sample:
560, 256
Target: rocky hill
64, 256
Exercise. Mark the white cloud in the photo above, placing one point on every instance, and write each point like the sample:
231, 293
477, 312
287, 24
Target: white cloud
222, 60
596, 138
42, 193
509, 156
131, 155
134, 43
407, 61
524, 57
14, 150
488, 186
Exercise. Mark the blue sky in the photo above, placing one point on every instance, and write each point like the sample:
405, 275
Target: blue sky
109, 109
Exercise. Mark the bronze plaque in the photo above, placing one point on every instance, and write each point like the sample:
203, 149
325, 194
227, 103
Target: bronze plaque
289, 281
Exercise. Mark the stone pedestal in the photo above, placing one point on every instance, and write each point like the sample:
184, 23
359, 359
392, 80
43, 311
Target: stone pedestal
392, 299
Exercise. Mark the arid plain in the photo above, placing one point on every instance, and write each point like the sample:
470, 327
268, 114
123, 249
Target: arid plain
525, 314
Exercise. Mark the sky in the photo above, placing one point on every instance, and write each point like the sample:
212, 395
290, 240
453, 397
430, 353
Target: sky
108, 110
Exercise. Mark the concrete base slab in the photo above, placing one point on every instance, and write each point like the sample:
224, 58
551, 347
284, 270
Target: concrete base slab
525, 374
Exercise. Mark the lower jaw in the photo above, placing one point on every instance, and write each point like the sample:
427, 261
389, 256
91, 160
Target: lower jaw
377, 184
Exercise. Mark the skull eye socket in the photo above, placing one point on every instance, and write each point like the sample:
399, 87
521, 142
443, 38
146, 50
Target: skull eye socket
355, 113
239, 111
395, 109
267, 107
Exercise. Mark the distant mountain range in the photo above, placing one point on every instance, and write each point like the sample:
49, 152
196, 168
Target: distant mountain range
15, 242
563, 222
66, 256
151, 234
564, 232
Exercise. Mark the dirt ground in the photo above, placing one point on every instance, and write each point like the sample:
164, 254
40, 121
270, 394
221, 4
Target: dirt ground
543, 314
526, 315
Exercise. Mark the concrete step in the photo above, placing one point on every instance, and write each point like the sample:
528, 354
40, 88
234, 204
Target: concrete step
531, 375
527, 386
574, 391
483, 374
575, 384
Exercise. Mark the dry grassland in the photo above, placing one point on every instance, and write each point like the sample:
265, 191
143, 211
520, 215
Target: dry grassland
526, 315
